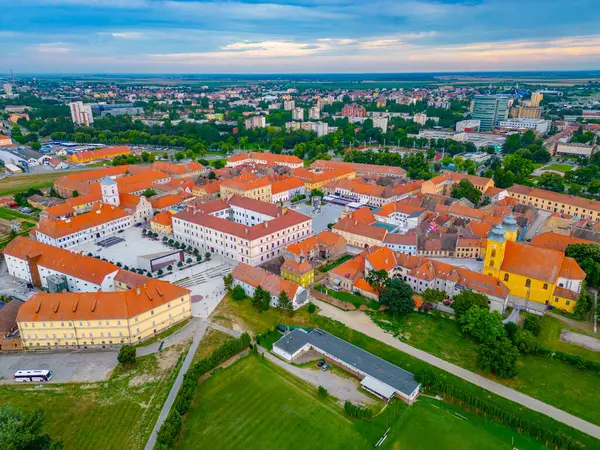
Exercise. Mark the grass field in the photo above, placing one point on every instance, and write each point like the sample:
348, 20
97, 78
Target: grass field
356, 300
559, 167
10, 214
15, 184
550, 338
212, 340
92, 416
550, 381
256, 405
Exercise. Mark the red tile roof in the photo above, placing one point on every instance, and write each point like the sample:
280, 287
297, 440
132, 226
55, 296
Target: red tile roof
255, 276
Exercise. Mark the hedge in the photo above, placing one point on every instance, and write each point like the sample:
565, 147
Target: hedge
574, 360
357, 411
483, 408
169, 431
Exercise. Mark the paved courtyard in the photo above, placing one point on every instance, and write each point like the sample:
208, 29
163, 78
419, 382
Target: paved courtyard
205, 280
329, 214
125, 252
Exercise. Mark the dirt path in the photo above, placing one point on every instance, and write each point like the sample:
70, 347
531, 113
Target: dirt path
580, 339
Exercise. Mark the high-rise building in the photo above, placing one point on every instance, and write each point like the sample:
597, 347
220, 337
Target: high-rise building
255, 122
298, 114
420, 118
288, 105
536, 99
526, 112
8, 89
490, 109
380, 122
314, 113
354, 110
81, 114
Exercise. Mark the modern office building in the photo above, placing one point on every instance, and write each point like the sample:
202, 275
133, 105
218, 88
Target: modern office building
490, 109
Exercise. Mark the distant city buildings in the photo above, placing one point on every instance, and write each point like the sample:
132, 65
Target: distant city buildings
255, 122
471, 126
354, 110
289, 105
81, 114
298, 114
314, 113
538, 125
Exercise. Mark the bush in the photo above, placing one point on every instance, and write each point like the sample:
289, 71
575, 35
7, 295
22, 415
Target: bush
126, 355
238, 293
311, 308
322, 392
357, 411
526, 342
532, 323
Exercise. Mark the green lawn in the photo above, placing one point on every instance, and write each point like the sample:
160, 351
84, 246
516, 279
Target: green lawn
15, 184
356, 300
268, 339
559, 167
256, 405
164, 334
92, 416
550, 381
550, 338
10, 214
212, 340
336, 262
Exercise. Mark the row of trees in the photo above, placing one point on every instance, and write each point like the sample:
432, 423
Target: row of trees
261, 299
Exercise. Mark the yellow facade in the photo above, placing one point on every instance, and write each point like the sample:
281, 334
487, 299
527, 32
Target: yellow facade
310, 185
262, 193
90, 332
161, 228
304, 280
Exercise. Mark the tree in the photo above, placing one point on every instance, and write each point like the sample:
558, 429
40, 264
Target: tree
36, 145
317, 193
207, 255
23, 430
465, 189
467, 299
75, 194
149, 193
532, 324
284, 302
398, 297
498, 356
212, 175
512, 143
433, 295
551, 181
584, 303
238, 293
378, 280
481, 324
126, 355
588, 258
260, 298
228, 281
526, 342
311, 308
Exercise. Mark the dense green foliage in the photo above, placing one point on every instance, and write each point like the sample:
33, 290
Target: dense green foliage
24, 431
397, 296
588, 258
126, 355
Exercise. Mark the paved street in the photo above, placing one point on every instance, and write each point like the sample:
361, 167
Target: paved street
164, 412
360, 322
329, 214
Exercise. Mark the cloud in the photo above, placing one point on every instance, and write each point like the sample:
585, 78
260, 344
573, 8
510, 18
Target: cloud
128, 35
53, 47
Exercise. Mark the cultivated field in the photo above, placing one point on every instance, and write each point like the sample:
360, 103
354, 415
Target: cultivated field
14, 184
256, 405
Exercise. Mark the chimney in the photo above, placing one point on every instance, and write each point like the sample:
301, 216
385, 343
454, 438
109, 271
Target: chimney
245, 230
137, 290
267, 224
98, 211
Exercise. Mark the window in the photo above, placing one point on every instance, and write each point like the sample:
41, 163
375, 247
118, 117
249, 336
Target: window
546, 286
528, 283
493, 255
505, 277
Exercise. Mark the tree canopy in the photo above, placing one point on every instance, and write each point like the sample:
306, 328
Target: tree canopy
465, 189
398, 297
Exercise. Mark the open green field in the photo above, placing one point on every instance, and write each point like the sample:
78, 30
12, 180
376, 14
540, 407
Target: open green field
212, 340
254, 404
18, 183
92, 416
559, 167
11, 214
548, 380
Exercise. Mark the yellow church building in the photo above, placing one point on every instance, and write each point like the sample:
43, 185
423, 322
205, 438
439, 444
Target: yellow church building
537, 274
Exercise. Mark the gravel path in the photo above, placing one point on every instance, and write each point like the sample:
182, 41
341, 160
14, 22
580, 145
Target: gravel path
580, 339
337, 386
360, 322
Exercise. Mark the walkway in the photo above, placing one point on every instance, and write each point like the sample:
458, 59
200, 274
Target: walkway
200, 331
177, 338
360, 322
586, 327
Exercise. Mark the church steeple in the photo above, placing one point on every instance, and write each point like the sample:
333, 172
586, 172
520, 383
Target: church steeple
110, 191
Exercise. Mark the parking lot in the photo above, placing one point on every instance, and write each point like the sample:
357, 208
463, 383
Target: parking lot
134, 245
66, 367
329, 214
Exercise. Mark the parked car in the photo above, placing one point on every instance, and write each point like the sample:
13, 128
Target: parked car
324, 367
320, 363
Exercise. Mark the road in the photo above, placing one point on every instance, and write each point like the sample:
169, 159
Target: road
187, 362
360, 322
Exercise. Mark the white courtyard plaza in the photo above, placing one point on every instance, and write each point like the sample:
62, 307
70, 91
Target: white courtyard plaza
205, 280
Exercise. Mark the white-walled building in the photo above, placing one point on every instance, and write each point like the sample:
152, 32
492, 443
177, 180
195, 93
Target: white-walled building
289, 105
380, 122
538, 125
81, 114
255, 122
249, 278
239, 234
285, 190
314, 113
405, 217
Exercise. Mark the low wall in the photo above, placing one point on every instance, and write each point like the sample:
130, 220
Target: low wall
10, 344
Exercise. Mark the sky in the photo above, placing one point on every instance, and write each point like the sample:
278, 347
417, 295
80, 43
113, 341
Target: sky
297, 36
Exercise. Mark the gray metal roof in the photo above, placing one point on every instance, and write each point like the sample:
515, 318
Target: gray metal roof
107, 181
352, 355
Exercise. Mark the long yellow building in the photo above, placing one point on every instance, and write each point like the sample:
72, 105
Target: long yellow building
542, 275
99, 319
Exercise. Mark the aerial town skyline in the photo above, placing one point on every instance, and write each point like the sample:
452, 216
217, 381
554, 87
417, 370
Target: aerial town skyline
298, 36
